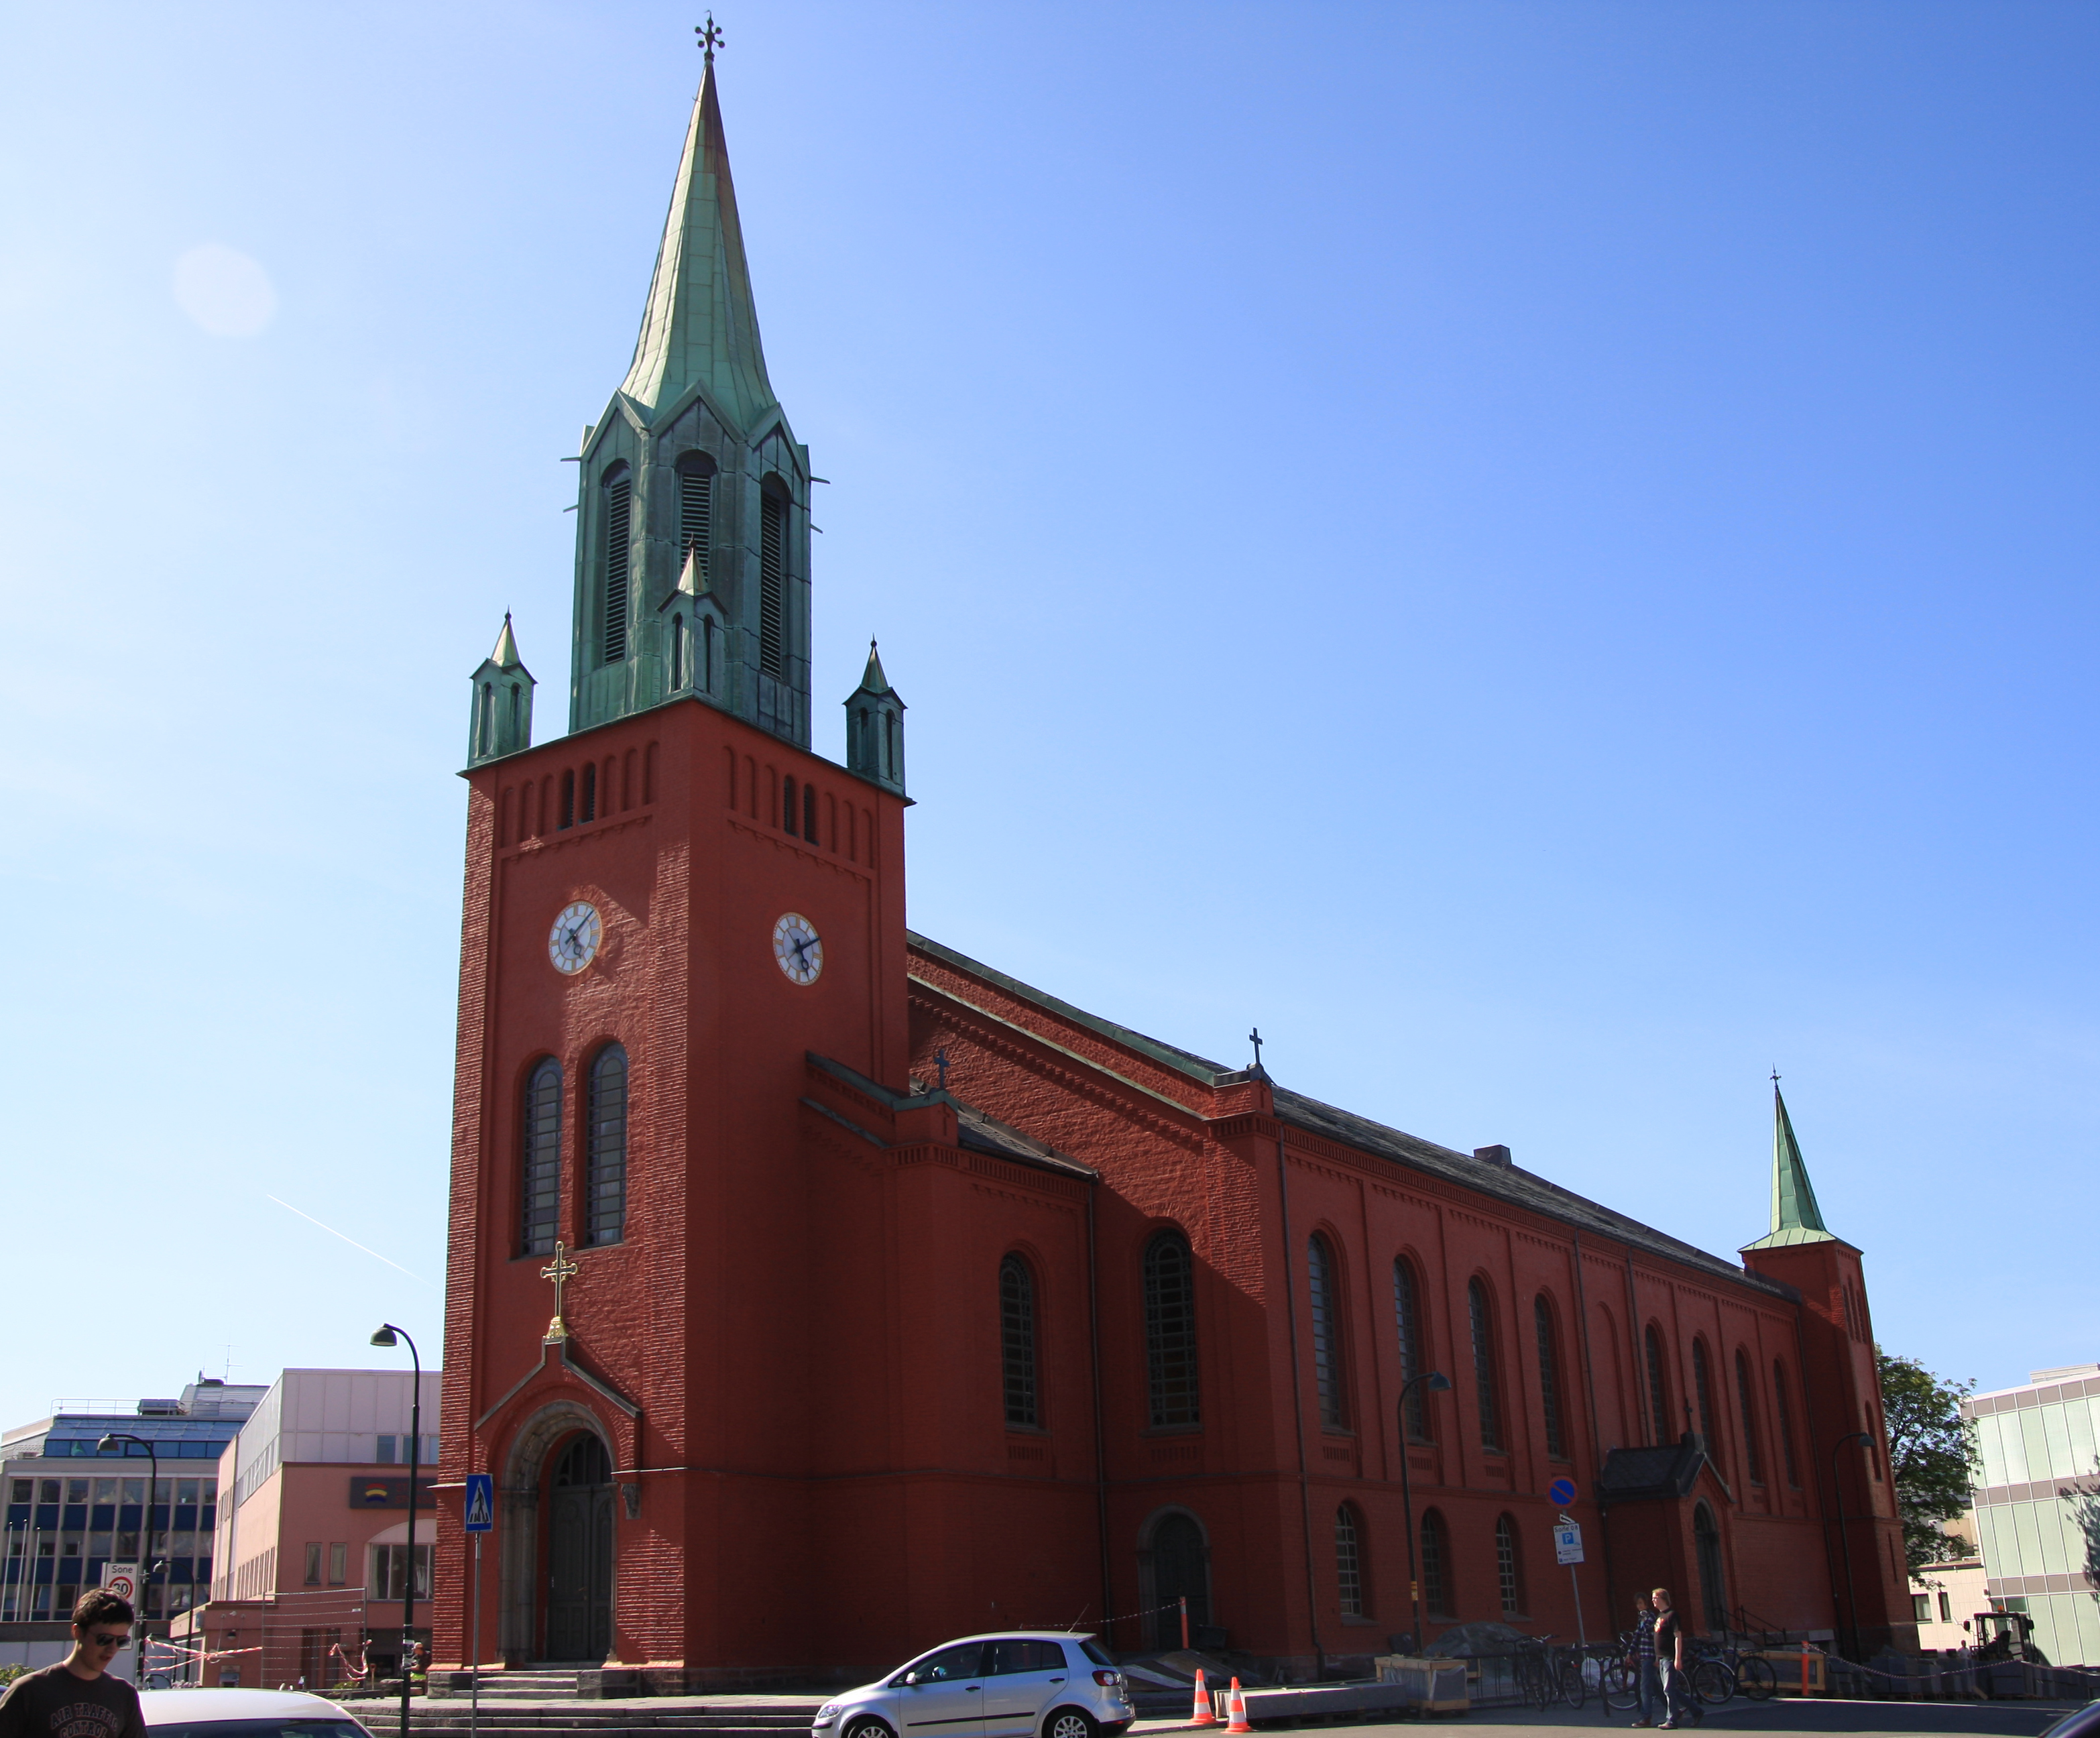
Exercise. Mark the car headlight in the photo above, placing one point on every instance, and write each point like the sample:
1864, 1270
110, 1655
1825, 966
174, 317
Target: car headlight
827, 1713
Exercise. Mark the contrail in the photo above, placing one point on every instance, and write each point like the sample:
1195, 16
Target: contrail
353, 1242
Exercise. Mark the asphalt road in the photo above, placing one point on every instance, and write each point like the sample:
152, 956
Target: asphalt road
1818, 1714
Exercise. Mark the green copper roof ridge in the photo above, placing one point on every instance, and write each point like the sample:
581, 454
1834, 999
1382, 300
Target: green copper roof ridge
701, 321
1796, 1216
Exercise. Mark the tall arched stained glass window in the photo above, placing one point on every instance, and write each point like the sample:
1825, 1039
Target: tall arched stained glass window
1327, 1334
1782, 1424
1702, 1390
1509, 1568
606, 1176
1348, 1561
540, 1181
1437, 1592
1746, 1404
1407, 1318
1549, 1378
1017, 1341
1169, 1330
1658, 1388
1486, 1389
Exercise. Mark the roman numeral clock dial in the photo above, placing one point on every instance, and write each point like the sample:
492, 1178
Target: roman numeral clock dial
573, 942
796, 949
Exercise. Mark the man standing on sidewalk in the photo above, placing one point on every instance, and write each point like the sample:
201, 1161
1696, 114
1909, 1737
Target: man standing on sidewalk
1669, 1665
79, 1697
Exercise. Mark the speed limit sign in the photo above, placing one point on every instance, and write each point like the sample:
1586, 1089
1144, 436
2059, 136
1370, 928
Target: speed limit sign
122, 1580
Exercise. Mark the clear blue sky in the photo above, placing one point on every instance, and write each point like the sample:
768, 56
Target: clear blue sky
1542, 553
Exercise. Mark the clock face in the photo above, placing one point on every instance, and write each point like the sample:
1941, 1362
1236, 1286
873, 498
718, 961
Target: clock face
572, 943
796, 947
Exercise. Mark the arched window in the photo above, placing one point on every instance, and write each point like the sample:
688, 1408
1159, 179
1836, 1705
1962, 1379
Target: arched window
1348, 1561
1746, 1402
809, 813
1782, 1424
1658, 1390
1437, 1592
485, 725
568, 818
605, 1184
1509, 1568
1327, 1334
1702, 1389
586, 800
1549, 1378
1713, 1587
1169, 1330
696, 502
708, 653
1017, 1341
772, 577
1873, 1444
677, 650
1486, 1389
619, 491
540, 1177
1407, 1317
790, 808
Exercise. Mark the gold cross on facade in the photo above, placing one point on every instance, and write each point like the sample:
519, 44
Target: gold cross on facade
710, 38
561, 1270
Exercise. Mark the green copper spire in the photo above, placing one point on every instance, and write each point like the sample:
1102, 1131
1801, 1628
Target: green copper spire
874, 728
701, 325
1795, 1216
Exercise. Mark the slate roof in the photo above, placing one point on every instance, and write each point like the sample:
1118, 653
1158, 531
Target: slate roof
1671, 1471
1511, 1184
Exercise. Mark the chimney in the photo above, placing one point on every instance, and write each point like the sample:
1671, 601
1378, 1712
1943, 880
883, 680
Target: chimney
1492, 1156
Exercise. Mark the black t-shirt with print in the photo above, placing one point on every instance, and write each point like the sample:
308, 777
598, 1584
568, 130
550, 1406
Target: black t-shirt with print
53, 1703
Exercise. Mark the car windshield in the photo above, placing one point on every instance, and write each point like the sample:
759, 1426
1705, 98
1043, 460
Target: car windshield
284, 1726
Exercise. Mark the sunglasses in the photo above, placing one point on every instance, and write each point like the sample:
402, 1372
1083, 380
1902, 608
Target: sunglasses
110, 1641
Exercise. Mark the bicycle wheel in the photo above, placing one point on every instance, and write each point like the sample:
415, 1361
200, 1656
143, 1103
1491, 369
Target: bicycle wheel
1572, 1689
1755, 1677
1712, 1681
1538, 1685
1618, 1686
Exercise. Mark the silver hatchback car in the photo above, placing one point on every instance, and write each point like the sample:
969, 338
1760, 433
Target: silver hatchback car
1026, 1683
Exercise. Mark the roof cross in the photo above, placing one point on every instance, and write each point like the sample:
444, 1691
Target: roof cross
1253, 1038
711, 38
561, 1270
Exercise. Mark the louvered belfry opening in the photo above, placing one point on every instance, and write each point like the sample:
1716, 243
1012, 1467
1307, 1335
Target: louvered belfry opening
772, 578
696, 506
618, 499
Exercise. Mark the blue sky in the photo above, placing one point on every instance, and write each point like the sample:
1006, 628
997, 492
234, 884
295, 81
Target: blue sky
1542, 553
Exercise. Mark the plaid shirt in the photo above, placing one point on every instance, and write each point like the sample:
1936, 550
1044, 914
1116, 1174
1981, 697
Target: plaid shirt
1644, 1636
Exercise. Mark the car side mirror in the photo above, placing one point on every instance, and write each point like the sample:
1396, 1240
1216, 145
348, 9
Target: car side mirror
911, 1679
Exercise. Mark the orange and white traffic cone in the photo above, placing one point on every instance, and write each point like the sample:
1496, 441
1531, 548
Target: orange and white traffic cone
1235, 1706
1203, 1714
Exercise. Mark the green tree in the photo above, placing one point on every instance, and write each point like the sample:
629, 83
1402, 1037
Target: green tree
1931, 1449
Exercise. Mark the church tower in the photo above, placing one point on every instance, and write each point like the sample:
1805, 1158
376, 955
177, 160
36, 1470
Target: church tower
693, 462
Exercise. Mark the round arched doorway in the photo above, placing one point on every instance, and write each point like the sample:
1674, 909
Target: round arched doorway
1713, 1585
579, 1584
1176, 1566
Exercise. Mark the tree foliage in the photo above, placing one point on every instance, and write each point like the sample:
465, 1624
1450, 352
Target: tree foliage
1931, 1449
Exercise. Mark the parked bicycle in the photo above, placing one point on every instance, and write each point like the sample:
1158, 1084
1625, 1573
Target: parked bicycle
1722, 1670
1546, 1674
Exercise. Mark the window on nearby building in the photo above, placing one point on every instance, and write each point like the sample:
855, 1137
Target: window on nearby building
696, 503
382, 1450
772, 578
1658, 1391
1746, 1403
1486, 1389
1549, 1378
1327, 1334
605, 1186
1169, 1330
1348, 1571
1437, 1592
1017, 1340
540, 1190
1946, 1608
1920, 1607
1782, 1423
619, 491
1407, 1317
1509, 1570
390, 1569
314, 1564
1702, 1387
338, 1563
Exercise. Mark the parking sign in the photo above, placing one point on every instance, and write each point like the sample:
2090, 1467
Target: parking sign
480, 1502
1568, 1543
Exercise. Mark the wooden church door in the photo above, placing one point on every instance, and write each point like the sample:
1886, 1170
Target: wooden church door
580, 1554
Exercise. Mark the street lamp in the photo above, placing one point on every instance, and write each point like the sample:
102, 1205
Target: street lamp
1844, 1543
390, 1335
1432, 1381
145, 1536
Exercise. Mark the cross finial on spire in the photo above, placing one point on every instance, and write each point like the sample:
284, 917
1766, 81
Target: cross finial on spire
1253, 1038
711, 38
1775, 1074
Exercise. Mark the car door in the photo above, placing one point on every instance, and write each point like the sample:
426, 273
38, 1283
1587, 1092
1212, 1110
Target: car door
944, 1695
1023, 1679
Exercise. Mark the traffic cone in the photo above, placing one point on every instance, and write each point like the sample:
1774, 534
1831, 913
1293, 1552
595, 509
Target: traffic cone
1203, 1714
1235, 1706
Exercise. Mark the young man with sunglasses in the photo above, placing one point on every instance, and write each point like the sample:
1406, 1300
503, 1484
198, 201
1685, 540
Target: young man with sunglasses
79, 1697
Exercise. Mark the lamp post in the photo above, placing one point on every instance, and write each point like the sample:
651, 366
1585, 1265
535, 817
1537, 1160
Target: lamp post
1432, 1381
1844, 1543
145, 1538
389, 1335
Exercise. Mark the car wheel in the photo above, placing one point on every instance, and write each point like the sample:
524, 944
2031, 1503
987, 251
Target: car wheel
1069, 1722
867, 1728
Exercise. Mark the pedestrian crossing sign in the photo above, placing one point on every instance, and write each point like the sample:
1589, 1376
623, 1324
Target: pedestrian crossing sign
480, 1503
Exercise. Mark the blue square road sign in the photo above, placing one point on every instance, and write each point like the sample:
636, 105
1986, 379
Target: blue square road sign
480, 1502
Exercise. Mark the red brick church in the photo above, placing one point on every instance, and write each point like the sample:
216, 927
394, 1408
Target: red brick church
816, 1293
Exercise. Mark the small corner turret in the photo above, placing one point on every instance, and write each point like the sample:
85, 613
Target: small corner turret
695, 632
874, 728
500, 722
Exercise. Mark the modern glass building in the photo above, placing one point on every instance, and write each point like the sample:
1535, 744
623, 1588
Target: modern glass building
73, 1509
2038, 1468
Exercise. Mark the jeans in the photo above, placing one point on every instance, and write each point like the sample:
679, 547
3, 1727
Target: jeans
1652, 1704
1665, 1694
